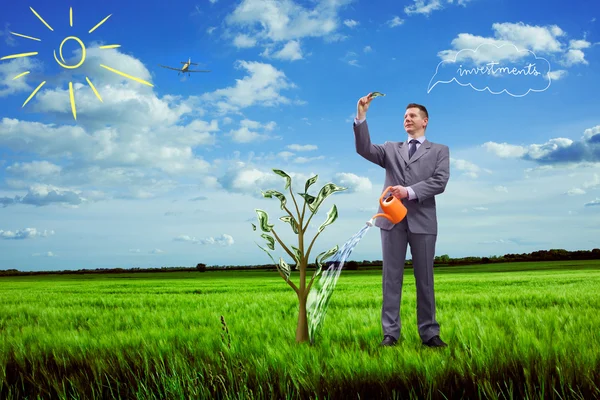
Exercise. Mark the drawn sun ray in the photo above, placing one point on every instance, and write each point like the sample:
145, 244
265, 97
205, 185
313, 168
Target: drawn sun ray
127, 76
41, 19
99, 23
64, 63
34, 53
20, 75
26, 37
33, 93
72, 96
94, 89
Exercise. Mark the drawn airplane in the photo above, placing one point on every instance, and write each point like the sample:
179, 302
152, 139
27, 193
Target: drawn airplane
185, 69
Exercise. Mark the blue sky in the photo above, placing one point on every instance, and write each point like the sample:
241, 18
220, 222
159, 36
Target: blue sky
170, 174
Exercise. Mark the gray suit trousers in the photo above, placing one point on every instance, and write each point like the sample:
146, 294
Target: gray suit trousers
422, 246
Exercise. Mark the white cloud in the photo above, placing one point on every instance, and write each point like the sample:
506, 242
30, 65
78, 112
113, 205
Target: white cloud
394, 22
46, 254
505, 150
575, 192
468, 168
285, 154
350, 23
500, 188
168, 148
594, 183
353, 182
290, 52
299, 147
285, 20
22, 234
10, 69
579, 44
247, 131
125, 144
304, 160
211, 29
244, 135
541, 40
44, 195
9, 39
537, 151
367, 49
157, 251
532, 37
573, 57
558, 74
423, 7
33, 169
223, 240
261, 87
186, 238
244, 41
590, 132
592, 203
247, 179
351, 58
555, 151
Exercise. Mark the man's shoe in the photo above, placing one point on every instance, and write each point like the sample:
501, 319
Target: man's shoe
388, 341
435, 342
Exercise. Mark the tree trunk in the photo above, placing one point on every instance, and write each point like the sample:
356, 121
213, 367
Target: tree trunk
302, 329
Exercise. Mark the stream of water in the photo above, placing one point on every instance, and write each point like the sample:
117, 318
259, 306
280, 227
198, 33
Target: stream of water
320, 293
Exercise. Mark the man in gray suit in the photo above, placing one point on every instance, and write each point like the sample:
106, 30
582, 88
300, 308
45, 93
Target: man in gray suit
417, 170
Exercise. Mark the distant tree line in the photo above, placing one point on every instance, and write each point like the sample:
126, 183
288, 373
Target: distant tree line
540, 255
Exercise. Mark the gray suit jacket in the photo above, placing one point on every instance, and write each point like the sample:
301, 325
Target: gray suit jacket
427, 173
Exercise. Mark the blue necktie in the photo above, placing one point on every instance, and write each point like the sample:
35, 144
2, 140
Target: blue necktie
412, 148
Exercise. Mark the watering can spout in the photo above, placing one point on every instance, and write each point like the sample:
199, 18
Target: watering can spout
392, 208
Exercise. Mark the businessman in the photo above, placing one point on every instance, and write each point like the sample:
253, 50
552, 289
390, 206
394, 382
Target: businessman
417, 170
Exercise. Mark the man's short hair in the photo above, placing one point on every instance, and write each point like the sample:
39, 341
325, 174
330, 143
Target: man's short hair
420, 107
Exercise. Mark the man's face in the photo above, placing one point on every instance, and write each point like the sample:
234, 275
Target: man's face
414, 121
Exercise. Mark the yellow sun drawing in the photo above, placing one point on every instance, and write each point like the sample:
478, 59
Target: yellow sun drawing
63, 63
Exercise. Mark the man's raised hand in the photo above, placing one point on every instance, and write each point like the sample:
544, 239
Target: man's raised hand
363, 106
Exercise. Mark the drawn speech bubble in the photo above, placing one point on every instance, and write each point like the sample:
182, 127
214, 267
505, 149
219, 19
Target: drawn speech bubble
498, 69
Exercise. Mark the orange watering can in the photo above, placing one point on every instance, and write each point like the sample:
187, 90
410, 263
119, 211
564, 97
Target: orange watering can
392, 208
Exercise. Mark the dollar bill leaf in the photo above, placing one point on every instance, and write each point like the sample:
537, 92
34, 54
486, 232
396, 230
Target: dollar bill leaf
270, 193
308, 199
263, 219
331, 217
297, 255
323, 256
325, 192
309, 182
253, 227
288, 179
270, 240
290, 221
284, 268
376, 94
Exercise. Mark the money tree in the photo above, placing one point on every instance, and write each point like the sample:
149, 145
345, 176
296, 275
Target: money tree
300, 254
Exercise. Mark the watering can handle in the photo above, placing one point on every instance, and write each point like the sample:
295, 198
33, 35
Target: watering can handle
384, 192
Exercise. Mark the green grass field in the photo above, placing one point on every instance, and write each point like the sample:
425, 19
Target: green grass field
528, 330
